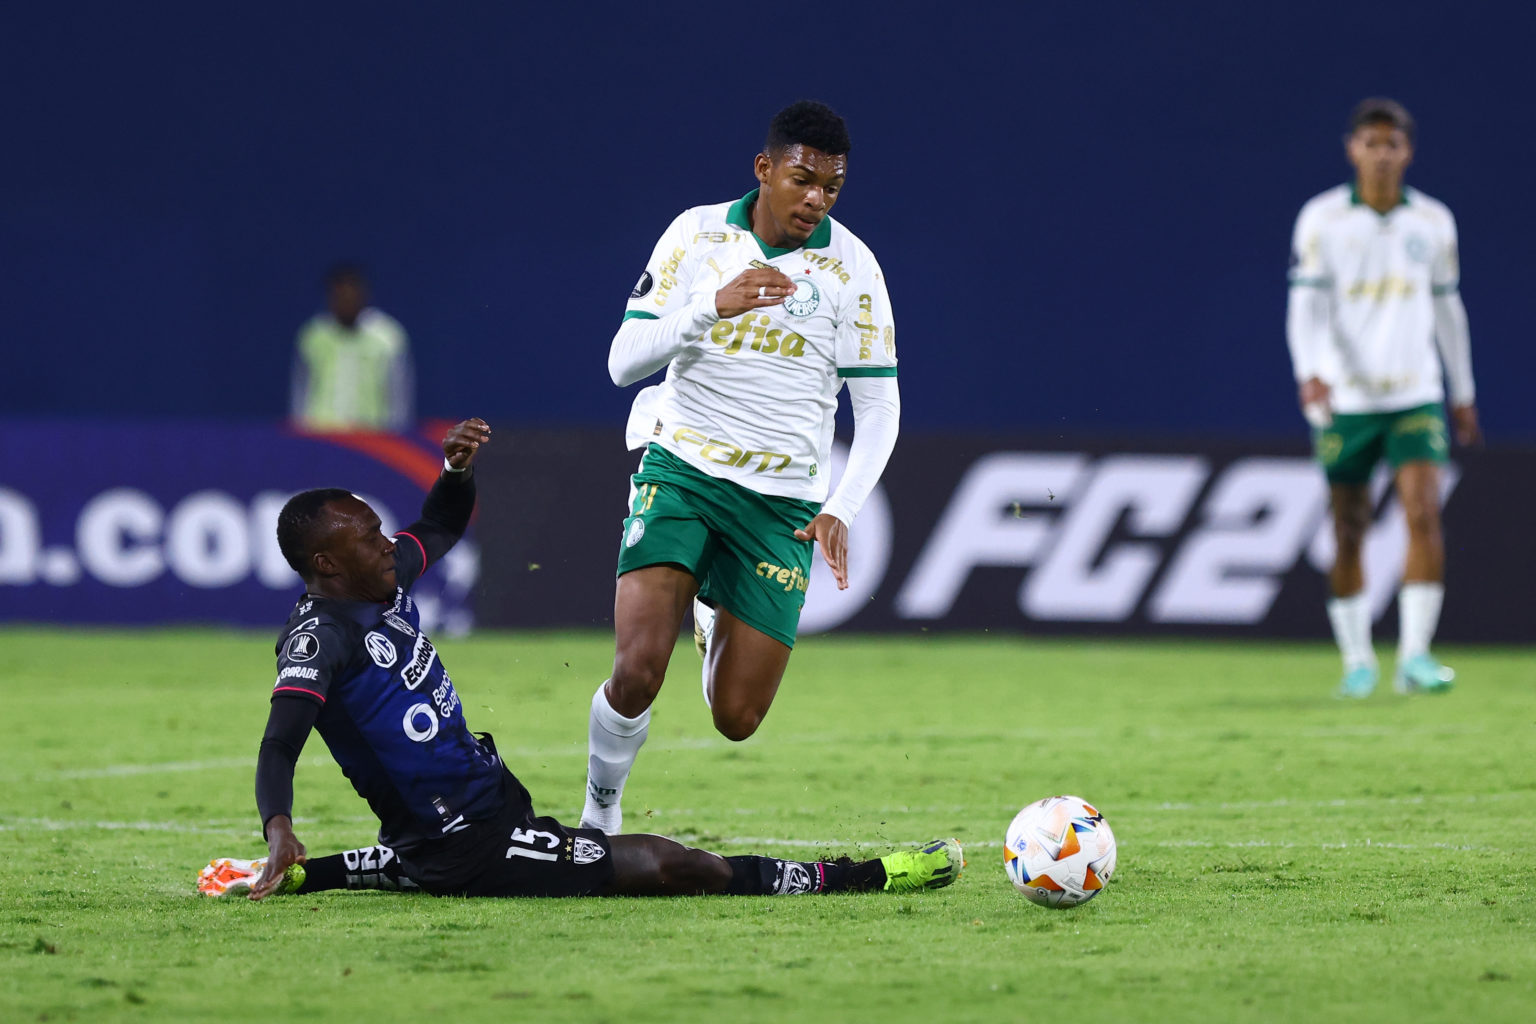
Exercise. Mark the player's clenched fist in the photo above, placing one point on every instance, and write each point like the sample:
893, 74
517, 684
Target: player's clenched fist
461, 443
750, 290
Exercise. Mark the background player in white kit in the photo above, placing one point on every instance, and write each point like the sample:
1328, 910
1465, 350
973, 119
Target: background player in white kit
1374, 288
760, 310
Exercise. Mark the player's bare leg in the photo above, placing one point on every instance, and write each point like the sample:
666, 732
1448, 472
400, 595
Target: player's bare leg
1423, 589
648, 609
1418, 490
742, 672
1351, 507
1349, 610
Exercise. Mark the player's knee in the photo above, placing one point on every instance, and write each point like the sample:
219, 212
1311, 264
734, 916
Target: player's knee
638, 677
1423, 518
695, 871
1349, 532
736, 723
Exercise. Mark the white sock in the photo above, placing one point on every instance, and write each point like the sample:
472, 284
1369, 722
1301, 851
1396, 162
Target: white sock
1351, 619
704, 622
613, 742
1418, 611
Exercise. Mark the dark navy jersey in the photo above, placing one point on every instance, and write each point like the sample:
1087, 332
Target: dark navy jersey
388, 710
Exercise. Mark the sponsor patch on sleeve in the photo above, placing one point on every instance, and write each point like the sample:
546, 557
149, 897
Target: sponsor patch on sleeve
302, 647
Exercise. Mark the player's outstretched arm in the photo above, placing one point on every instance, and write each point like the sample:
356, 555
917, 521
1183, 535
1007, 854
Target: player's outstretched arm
446, 511
288, 725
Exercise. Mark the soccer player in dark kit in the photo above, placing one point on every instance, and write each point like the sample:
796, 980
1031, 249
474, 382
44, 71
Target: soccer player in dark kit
353, 663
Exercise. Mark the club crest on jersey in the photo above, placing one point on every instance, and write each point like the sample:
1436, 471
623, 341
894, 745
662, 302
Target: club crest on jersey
302, 647
381, 650
805, 300
643, 286
634, 533
1417, 249
587, 852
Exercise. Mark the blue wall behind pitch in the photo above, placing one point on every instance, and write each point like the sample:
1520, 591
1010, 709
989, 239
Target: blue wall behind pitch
1083, 210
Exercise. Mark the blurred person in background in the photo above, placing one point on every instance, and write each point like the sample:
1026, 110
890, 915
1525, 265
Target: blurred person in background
1374, 291
352, 363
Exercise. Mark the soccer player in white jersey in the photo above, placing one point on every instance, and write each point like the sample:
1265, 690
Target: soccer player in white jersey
760, 310
1374, 292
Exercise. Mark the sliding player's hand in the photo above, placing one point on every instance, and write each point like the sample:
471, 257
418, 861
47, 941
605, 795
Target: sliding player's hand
831, 533
752, 289
283, 851
461, 443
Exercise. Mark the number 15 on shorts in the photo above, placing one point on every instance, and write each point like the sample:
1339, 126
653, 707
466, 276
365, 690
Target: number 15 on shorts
528, 841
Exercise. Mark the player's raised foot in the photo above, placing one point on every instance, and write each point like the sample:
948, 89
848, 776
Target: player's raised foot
933, 866
1358, 682
226, 877
602, 814
703, 626
1423, 674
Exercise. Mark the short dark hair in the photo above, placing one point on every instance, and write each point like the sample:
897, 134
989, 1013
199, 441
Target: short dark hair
301, 522
346, 272
807, 123
1380, 110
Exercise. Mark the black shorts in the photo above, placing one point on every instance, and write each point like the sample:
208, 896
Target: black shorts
516, 854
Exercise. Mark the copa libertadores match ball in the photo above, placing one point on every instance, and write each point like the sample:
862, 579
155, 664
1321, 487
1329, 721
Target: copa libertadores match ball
1059, 851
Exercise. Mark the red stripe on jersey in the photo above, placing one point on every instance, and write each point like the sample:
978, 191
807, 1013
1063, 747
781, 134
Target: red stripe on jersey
419, 544
299, 689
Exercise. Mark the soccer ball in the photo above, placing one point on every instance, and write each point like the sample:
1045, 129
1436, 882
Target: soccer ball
1059, 851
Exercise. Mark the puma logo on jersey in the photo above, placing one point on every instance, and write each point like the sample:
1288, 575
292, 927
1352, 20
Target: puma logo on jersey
732, 335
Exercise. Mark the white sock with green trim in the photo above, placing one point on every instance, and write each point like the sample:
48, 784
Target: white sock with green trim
1351, 619
613, 743
1418, 613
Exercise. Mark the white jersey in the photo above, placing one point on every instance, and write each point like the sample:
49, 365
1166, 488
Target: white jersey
751, 399
1380, 275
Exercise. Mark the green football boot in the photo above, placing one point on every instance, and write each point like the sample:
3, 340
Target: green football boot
1358, 682
1423, 674
934, 866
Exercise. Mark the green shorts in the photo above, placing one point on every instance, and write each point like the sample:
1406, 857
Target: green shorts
1352, 445
739, 544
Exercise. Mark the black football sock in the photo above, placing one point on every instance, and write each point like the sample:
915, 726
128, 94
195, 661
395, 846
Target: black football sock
766, 876
371, 867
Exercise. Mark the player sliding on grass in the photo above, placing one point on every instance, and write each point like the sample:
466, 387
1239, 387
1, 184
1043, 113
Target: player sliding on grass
760, 311
353, 663
1374, 289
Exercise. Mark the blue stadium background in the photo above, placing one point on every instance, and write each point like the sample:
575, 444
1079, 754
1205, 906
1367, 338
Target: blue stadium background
1083, 210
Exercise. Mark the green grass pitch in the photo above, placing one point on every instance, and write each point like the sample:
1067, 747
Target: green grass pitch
1283, 856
